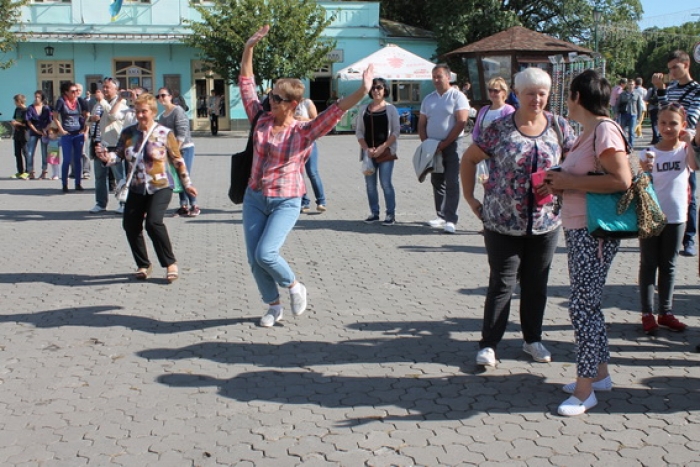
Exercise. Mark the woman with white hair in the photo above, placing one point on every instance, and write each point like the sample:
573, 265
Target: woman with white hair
521, 229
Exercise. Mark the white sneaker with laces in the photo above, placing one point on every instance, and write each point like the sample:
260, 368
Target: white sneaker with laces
603, 385
298, 300
120, 209
486, 357
538, 352
97, 208
449, 228
271, 317
439, 222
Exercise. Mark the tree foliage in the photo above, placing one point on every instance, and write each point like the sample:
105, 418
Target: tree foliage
467, 21
10, 17
293, 48
660, 42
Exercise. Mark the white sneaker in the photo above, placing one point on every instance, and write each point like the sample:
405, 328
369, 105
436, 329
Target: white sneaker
449, 228
603, 385
271, 317
538, 352
439, 222
486, 357
298, 300
120, 209
97, 208
574, 406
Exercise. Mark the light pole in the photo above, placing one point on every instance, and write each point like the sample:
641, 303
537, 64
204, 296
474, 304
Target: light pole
596, 19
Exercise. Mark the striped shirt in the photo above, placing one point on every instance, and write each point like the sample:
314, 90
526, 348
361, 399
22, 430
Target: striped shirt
687, 95
278, 159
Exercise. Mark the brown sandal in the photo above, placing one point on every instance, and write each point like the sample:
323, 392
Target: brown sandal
143, 273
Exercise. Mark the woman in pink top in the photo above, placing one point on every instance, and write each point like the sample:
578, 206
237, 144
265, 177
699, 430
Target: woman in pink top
498, 91
281, 146
589, 258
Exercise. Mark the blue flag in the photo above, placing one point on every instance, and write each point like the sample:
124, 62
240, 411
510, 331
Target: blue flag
114, 9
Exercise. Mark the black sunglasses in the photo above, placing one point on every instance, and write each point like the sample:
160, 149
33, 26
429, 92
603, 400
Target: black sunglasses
162, 95
377, 87
277, 98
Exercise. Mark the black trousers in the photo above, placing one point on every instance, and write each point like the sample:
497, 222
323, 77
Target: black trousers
153, 206
531, 255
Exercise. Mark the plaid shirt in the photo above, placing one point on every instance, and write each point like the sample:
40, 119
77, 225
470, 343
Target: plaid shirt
278, 160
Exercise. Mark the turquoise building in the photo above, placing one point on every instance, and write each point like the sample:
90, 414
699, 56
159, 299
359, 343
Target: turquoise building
80, 41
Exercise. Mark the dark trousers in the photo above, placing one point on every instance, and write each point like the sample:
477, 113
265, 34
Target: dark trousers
214, 123
531, 256
153, 206
654, 120
691, 226
659, 254
20, 153
446, 185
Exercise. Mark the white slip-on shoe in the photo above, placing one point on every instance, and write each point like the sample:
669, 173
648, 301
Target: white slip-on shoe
449, 228
486, 357
97, 208
271, 317
298, 300
603, 385
574, 406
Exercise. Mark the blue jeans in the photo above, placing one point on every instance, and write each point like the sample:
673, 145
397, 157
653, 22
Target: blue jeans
384, 170
72, 149
31, 149
311, 168
266, 224
188, 156
102, 179
629, 121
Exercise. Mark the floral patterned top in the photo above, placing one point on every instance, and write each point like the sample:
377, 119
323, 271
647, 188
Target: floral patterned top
509, 205
152, 172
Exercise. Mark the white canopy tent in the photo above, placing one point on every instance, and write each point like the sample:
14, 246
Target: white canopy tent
392, 63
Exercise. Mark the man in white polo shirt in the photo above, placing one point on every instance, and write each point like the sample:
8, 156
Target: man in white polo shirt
443, 114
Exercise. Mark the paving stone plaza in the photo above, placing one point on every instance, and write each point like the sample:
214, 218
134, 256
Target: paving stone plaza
98, 369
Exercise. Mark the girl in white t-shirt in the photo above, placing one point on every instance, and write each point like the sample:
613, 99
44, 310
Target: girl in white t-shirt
668, 162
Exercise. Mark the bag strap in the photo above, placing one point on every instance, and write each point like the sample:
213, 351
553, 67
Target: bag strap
690, 89
249, 146
628, 149
140, 154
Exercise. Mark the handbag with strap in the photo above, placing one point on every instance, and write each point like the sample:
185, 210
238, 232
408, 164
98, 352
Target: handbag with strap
121, 192
241, 166
386, 155
625, 214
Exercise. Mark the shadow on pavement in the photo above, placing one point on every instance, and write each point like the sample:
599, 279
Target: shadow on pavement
438, 398
100, 317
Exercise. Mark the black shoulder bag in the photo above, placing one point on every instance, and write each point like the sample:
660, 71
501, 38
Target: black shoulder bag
241, 166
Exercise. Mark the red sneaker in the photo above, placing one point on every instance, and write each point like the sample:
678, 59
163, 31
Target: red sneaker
649, 323
671, 322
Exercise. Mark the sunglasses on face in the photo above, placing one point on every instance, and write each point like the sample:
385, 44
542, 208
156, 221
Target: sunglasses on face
162, 96
277, 98
378, 87
494, 91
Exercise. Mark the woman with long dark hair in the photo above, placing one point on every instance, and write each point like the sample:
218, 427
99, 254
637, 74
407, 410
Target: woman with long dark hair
70, 115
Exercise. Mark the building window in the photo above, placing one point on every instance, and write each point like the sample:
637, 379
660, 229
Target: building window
51, 1
51, 75
134, 73
405, 92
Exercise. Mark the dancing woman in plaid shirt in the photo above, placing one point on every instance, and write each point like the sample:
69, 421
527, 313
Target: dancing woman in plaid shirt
272, 201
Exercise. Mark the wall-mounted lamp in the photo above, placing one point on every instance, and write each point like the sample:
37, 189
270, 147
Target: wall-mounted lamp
49, 51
